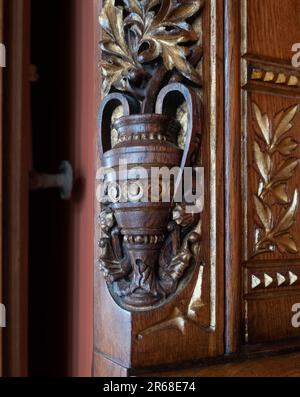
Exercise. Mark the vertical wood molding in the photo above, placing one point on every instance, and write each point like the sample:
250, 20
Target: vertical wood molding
1, 184
232, 174
16, 186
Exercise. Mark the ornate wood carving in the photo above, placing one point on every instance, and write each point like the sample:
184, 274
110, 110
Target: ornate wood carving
269, 76
150, 52
275, 280
270, 171
179, 317
273, 227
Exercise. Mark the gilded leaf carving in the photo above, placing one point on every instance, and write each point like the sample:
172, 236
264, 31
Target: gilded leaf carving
264, 213
142, 36
280, 193
263, 123
263, 161
285, 123
288, 218
287, 146
286, 170
274, 231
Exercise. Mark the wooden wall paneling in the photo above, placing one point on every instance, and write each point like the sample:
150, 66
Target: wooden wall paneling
16, 164
140, 339
233, 195
270, 169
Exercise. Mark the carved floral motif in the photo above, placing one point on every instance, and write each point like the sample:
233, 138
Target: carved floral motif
143, 40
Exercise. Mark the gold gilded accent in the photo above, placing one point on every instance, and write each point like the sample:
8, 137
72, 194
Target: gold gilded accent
281, 78
257, 74
293, 81
182, 117
142, 35
269, 76
196, 302
117, 113
273, 230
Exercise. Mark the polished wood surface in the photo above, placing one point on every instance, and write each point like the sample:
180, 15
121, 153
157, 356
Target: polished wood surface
16, 164
279, 366
232, 167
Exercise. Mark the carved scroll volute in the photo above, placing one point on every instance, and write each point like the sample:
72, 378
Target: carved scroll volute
168, 101
150, 246
107, 108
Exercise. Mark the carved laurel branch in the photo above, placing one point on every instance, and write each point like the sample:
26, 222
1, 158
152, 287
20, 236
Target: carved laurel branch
142, 39
272, 190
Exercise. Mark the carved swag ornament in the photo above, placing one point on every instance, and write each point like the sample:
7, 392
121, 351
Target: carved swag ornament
149, 56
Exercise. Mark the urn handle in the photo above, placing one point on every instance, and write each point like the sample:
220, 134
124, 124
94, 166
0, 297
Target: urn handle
168, 101
108, 105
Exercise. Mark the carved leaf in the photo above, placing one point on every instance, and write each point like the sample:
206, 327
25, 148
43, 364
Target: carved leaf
280, 193
284, 120
174, 57
185, 11
144, 34
263, 123
286, 169
287, 146
111, 20
173, 54
263, 162
134, 6
286, 243
288, 218
114, 74
264, 213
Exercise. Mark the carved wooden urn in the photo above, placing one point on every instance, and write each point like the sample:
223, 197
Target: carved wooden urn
149, 247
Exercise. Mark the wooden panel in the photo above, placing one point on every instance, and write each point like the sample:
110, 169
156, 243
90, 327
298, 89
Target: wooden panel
270, 168
140, 339
273, 27
276, 182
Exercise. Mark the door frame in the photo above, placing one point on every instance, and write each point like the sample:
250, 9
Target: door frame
15, 185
